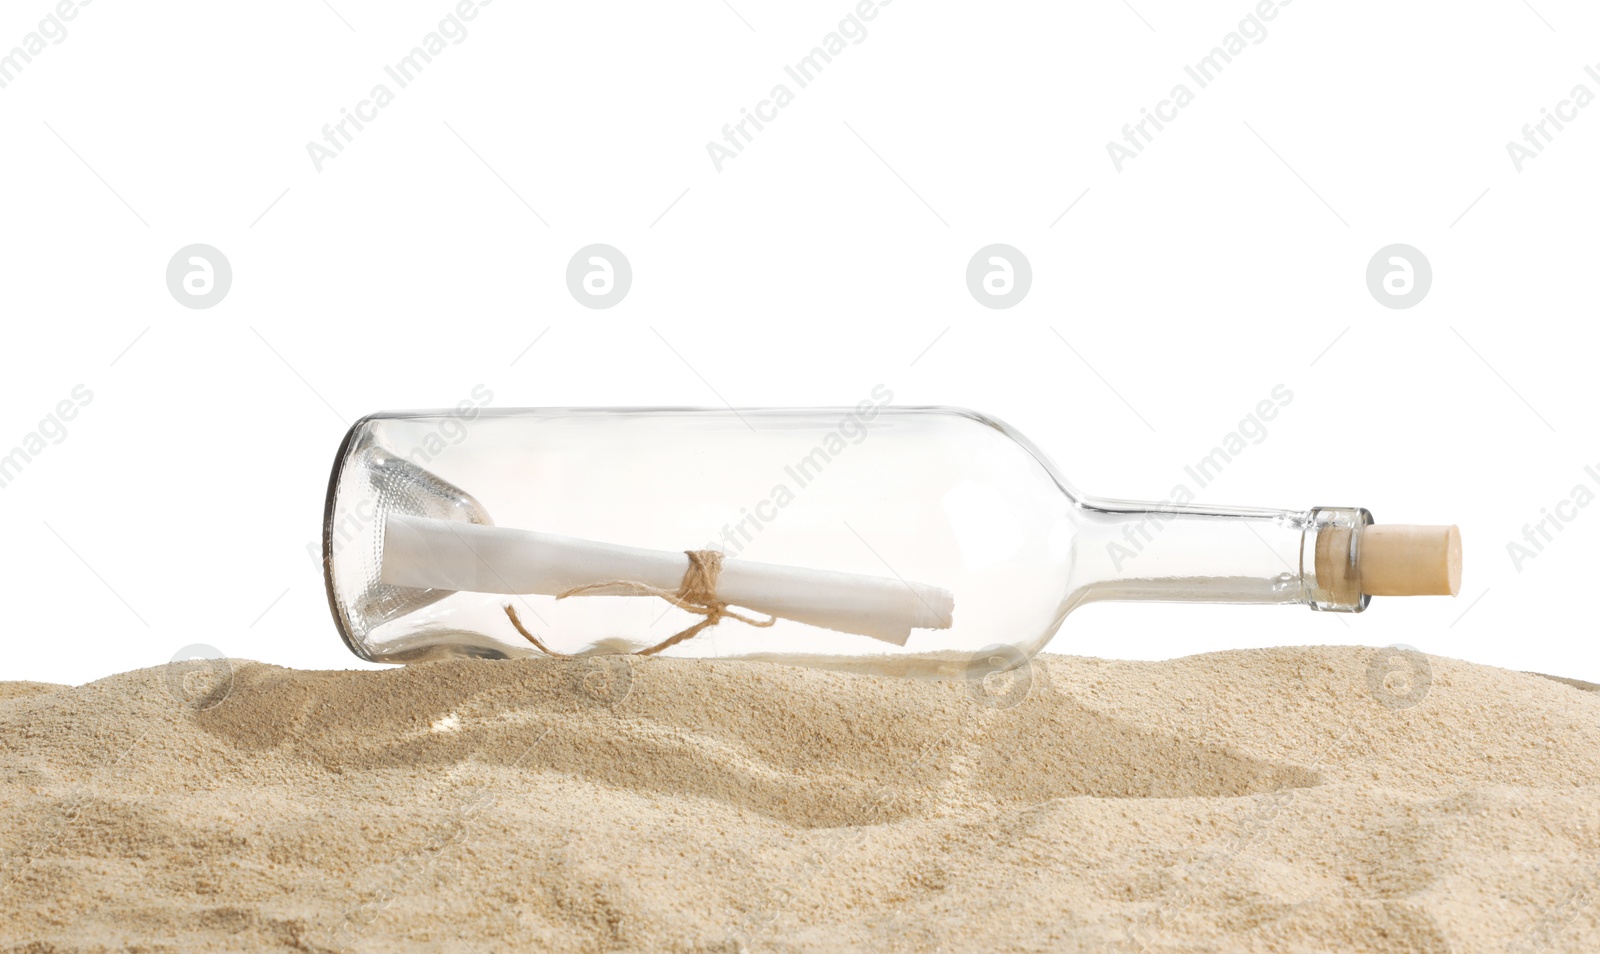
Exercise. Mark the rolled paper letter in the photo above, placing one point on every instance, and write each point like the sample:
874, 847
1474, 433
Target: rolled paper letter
428, 553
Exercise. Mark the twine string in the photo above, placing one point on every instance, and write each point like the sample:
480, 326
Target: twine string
697, 593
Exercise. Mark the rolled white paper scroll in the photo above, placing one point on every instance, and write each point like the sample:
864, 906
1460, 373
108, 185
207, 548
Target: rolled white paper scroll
426, 553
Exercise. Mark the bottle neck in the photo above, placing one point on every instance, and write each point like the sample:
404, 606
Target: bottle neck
1193, 554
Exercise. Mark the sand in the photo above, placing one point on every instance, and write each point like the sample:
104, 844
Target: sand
1272, 800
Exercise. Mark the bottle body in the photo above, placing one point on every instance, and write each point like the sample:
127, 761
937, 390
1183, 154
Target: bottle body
971, 536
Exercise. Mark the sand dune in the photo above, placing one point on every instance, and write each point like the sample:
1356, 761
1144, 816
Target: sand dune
1276, 800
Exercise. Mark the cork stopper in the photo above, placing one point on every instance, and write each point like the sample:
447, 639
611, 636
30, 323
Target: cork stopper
1409, 560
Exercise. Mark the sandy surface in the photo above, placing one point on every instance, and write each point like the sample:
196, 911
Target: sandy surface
1278, 800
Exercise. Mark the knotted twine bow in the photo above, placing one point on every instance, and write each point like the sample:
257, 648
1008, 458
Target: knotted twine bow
697, 594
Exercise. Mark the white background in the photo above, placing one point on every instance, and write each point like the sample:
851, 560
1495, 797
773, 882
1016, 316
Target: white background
830, 256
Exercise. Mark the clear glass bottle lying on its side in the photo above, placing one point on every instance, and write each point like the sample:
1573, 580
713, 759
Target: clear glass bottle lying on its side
871, 538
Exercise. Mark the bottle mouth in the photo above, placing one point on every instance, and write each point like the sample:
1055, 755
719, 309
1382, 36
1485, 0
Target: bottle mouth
1330, 558
1355, 559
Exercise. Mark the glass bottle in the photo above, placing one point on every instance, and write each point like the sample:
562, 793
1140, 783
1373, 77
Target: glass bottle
870, 538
